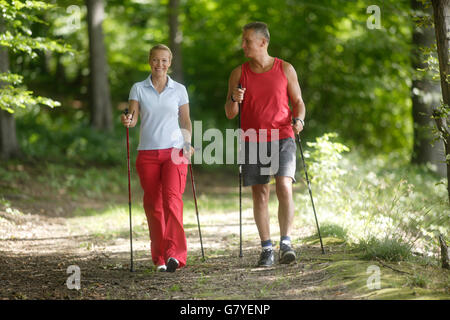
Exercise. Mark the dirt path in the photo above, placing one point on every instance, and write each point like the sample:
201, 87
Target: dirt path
37, 250
38, 244
44, 232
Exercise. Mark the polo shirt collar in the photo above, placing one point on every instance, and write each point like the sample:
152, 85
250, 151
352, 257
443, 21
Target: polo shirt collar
149, 83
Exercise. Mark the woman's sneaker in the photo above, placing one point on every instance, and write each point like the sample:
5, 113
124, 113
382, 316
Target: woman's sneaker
287, 254
161, 268
266, 258
172, 264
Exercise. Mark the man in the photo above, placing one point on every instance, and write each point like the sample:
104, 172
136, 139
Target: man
268, 84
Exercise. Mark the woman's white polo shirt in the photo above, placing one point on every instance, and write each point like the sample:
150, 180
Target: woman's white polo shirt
159, 128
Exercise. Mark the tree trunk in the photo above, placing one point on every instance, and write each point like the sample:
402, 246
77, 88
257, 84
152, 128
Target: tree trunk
444, 252
426, 94
9, 147
441, 14
60, 75
175, 39
99, 95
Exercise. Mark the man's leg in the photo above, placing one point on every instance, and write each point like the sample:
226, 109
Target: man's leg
261, 194
285, 205
285, 217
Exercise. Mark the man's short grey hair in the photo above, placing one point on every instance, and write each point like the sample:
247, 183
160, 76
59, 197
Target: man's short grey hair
259, 27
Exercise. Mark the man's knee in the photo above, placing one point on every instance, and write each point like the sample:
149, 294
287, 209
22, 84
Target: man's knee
284, 187
261, 193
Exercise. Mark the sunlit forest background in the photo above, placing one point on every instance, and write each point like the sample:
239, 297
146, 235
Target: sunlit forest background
368, 71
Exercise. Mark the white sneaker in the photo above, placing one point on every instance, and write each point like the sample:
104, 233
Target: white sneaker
161, 268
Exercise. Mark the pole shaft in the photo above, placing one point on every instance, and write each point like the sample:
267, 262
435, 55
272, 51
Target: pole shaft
129, 200
196, 209
310, 192
240, 178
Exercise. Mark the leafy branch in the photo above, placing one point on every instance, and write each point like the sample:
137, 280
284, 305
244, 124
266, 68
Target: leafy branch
15, 17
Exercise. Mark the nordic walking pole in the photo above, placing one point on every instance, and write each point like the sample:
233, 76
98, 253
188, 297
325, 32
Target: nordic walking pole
240, 181
196, 208
129, 192
310, 192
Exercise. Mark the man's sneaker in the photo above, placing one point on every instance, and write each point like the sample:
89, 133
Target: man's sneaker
161, 268
287, 254
172, 264
266, 258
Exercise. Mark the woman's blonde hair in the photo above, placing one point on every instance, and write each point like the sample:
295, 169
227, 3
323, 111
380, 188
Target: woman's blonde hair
159, 47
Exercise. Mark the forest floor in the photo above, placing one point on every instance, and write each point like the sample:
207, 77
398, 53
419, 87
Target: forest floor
45, 229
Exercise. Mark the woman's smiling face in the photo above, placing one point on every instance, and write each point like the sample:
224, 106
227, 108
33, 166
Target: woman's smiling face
160, 62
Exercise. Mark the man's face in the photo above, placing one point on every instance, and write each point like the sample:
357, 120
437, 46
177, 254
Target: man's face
252, 43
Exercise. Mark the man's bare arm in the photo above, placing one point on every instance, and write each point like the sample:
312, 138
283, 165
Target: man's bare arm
295, 96
232, 108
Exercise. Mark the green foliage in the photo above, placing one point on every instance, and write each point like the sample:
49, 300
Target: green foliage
332, 230
383, 197
355, 81
325, 157
16, 16
89, 182
17, 11
388, 249
49, 136
12, 97
25, 43
418, 280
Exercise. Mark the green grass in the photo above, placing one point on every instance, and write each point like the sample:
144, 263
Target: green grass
333, 230
388, 249
369, 200
347, 270
418, 280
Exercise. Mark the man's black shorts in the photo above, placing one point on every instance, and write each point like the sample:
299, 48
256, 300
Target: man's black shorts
265, 159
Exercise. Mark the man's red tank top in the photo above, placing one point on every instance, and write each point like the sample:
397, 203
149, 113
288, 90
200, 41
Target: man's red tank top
266, 103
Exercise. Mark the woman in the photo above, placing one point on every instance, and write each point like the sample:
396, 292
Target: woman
163, 153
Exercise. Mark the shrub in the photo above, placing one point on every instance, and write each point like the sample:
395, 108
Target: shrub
388, 249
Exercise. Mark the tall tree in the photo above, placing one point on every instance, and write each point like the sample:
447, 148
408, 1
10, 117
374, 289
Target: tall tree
175, 39
100, 100
425, 94
441, 14
9, 147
